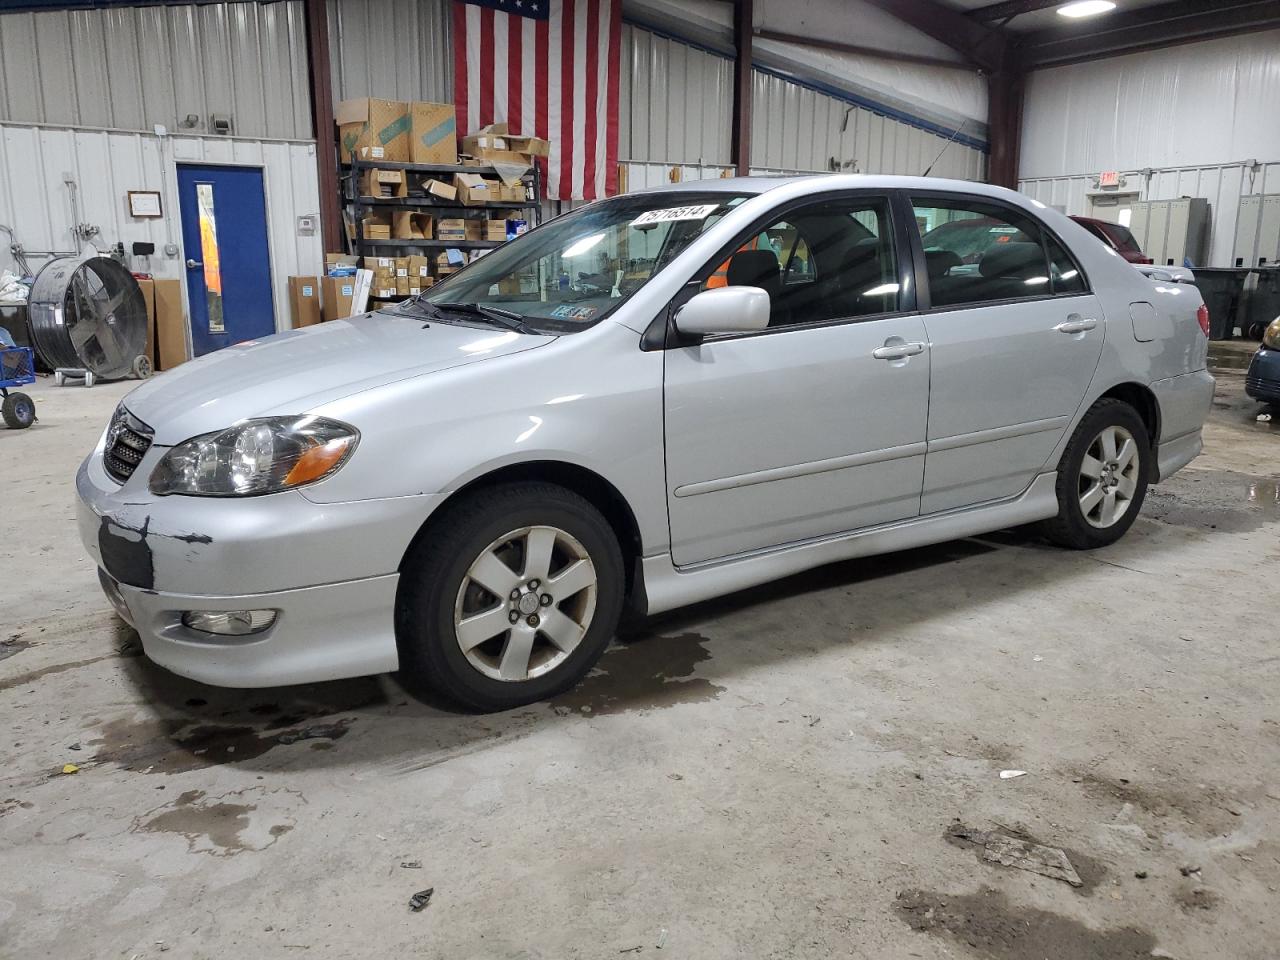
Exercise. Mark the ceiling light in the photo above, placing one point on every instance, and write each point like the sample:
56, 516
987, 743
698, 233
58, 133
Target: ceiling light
1085, 8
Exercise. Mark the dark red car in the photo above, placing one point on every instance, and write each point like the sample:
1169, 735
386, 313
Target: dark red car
1116, 237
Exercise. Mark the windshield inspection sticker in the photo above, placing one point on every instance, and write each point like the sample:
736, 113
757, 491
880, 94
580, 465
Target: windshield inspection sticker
699, 212
567, 311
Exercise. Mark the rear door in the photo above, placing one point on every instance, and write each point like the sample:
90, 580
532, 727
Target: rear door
816, 425
1015, 338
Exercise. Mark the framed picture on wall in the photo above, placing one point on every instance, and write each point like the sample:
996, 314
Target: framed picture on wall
145, 203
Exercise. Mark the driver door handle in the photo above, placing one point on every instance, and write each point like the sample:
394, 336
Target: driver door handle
192, 264
898, 351
1077, 325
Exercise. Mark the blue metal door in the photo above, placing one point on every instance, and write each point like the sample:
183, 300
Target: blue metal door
224, 238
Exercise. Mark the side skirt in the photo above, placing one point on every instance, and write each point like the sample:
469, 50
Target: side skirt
668, 586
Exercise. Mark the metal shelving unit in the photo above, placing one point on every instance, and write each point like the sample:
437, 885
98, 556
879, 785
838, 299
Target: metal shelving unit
358, 204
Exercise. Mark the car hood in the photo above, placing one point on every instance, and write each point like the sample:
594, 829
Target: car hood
300, 370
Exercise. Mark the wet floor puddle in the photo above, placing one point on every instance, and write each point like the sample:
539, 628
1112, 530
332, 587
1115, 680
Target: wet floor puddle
236, 822
648, 672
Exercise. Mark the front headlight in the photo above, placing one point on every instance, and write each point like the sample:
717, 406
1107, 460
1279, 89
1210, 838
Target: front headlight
1272, 336
255, 457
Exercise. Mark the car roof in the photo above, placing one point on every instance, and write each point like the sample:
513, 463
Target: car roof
827, 181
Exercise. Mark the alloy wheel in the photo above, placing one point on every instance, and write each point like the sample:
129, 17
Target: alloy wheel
1109, 477
525, 603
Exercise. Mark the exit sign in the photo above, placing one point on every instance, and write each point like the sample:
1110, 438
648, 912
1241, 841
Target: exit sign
1109, 178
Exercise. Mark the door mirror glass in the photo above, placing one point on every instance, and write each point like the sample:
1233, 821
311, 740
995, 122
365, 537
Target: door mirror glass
724, 310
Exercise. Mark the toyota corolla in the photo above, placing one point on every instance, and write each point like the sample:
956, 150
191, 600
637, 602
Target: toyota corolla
653, 400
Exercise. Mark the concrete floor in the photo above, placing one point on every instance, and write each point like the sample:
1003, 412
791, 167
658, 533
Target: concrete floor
778, 774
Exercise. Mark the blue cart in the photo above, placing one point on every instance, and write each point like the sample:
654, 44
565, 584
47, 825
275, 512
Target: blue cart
17, 368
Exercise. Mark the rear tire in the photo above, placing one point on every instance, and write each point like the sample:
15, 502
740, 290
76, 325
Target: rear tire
19, 411
1102, 479
557, 579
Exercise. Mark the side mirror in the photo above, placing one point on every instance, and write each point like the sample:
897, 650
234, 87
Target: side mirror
724, 310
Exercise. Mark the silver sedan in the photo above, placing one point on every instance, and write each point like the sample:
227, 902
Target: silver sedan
650, 401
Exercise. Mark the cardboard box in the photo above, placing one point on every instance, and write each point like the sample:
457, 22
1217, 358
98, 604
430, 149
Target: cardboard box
512, 192
434, 136
384, 183
149, 298
402, 286
376, 226
338, 294
473, 189
451, 228
419, 268
304, 301
171, 324
496, 144
448, 261
495, 230
386, 292
379, 264
439, 190
409, 225
340, 259
370, 129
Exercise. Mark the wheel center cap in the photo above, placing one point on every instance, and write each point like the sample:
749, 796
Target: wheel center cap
528, 603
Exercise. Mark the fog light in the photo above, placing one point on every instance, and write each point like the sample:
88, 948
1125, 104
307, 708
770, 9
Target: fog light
229, 623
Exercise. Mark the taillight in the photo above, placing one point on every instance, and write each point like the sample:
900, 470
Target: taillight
1202, 317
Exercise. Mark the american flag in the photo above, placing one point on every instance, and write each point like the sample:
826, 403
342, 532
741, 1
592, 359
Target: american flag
548, 68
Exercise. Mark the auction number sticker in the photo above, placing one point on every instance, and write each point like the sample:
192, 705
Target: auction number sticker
568, 311
698, 212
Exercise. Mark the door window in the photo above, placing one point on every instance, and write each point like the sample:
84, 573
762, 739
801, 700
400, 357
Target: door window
827, 261
976, 252
1063, 271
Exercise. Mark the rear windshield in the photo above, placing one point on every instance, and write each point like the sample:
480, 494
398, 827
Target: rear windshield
1120, 236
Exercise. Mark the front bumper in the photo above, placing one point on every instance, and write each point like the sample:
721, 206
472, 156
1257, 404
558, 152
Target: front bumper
1262, 382
330, 570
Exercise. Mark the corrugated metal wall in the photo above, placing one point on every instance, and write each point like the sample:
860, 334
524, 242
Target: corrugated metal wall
106, 164
676, 108
393, 49
133, 67
1221, 184
676, 101
795, 128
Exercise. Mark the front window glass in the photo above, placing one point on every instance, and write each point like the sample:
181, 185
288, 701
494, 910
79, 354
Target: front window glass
566, 275
828, 261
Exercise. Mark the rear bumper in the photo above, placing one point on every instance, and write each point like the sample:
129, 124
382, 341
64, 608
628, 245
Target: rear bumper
1184, 402
1262, 382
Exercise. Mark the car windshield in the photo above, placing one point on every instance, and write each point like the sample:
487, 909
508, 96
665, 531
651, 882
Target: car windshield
570, 273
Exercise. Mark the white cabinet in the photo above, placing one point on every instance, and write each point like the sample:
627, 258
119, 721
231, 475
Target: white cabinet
1172, 231
1257, 231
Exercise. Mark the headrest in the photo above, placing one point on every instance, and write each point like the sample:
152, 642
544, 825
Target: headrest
939, 262
752, 268
1020, 260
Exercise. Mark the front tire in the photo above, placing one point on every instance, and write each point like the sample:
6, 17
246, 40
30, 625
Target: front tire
1102, 479
510, 598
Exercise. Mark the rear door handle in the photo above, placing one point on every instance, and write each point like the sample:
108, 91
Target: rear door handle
192, 264
897, 351
1079, 325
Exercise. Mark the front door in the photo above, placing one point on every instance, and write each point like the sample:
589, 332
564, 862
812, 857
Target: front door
816, 425
1015, 338
224, 239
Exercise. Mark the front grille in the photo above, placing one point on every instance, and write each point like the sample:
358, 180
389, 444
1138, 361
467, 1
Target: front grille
128, 440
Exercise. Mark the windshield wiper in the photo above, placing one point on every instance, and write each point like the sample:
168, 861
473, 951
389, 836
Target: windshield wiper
507, 318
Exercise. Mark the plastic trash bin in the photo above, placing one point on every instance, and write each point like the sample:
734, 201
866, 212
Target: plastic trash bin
1223, 291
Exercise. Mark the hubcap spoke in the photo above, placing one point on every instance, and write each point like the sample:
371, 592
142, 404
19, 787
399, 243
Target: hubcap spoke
515, 658
561, 630
577, 576
1090, 498
1108, 439
1109, 508
1126, 453
476, 629
1127, 487
492, 574
1091, 467
537, 553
